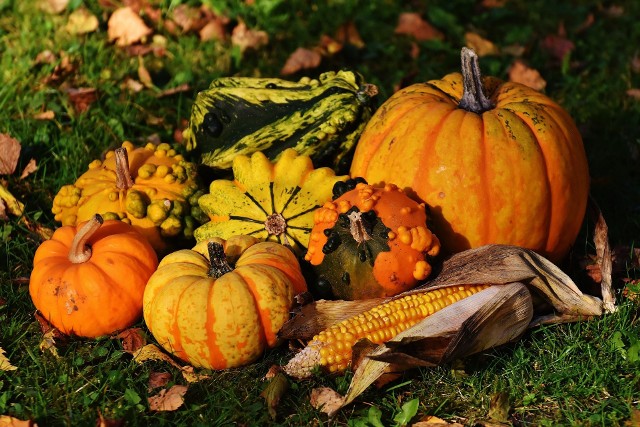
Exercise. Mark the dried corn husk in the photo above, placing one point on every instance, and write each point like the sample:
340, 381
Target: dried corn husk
528, 290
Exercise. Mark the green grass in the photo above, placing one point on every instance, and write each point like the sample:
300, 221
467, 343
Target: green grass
579, 374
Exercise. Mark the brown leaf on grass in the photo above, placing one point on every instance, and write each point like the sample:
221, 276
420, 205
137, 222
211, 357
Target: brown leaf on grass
158, 379
173, 90
246, 38
558, 45
490, 4
53, 6
634, 93
5, 365
9, 154
187, 17
520, 73
433, 421
106, 422
480, 45
272, 372
132, 85
348, 33
273, 392
81, 21
82, 97
133, 339
213, 30
326, 400
152, 352
328, 46
48, 342
412, 24
126, 27
14, 206
143, 74
301, 59
7, 421
168, 400
45, 115
29, 169
499, 407
45, 57
61, 71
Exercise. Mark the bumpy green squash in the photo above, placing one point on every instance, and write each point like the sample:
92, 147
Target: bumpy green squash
321, 118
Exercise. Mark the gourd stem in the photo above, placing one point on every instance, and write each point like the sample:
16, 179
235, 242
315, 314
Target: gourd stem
123, 174
357, 228
473, 98
80, 251
217, 260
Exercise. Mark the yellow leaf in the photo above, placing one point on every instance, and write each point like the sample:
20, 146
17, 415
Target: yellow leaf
7, 421
5, 365
482, 46
152, 352
49, 343
81, 21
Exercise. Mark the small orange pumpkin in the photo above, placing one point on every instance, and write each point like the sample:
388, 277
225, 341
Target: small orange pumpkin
89, 281
497, 162
370, 242
212, 315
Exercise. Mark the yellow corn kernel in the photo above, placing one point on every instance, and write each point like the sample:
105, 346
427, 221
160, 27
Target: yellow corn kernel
332, 348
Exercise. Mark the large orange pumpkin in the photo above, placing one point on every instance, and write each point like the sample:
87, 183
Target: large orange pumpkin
505, 167
89, 281
212, 315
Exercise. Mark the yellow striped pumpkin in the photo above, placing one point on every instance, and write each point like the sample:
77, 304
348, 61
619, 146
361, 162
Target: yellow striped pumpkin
212, 315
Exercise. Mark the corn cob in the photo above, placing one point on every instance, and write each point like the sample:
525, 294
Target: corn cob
331, 349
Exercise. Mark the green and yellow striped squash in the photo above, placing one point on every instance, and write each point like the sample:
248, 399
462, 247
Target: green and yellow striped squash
273, 201
321, 118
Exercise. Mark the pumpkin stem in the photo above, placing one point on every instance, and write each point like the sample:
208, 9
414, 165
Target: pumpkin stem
80, 251
473, 97
357, 227
123, 174
219, 266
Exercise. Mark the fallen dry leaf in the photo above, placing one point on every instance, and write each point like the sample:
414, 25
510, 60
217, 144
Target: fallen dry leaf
82, 98
184, 87
29, 169
273, 392
520, 73
81, 21
61, 71
433, 421
132, 85
499, 407
48, 343
187, 17
634, 93
9, 154
5, 365
348, 34
14, 206
557, 45
490, 4
301, 59
412, 24
159, 379
480, 45
144, 75
126, 27
246, 38
3, 211
45, 115
45, 57
329, 46
168, 400
152, 352
53, 6
603, 256
7, 421
213, 30
106, 422
133, 339
326, 400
